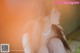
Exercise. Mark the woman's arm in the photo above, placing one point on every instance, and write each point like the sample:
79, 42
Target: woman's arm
55, 45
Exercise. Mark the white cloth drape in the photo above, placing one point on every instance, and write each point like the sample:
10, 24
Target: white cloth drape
55, 45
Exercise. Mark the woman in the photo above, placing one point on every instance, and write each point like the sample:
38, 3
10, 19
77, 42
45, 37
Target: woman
57, 42
45, 35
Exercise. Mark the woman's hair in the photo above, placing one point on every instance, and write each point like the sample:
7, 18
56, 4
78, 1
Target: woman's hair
58, 33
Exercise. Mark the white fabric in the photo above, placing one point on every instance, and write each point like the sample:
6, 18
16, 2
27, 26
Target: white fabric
26, 43
55, 45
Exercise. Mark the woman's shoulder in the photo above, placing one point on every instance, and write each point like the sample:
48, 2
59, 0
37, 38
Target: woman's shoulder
56, 46
55, 41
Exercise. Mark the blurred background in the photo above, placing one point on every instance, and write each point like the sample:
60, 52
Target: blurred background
69, 20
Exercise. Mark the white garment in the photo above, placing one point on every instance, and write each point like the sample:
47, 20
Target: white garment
55, 45
25, 43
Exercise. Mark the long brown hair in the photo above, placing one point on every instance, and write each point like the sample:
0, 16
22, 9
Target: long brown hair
60, 35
